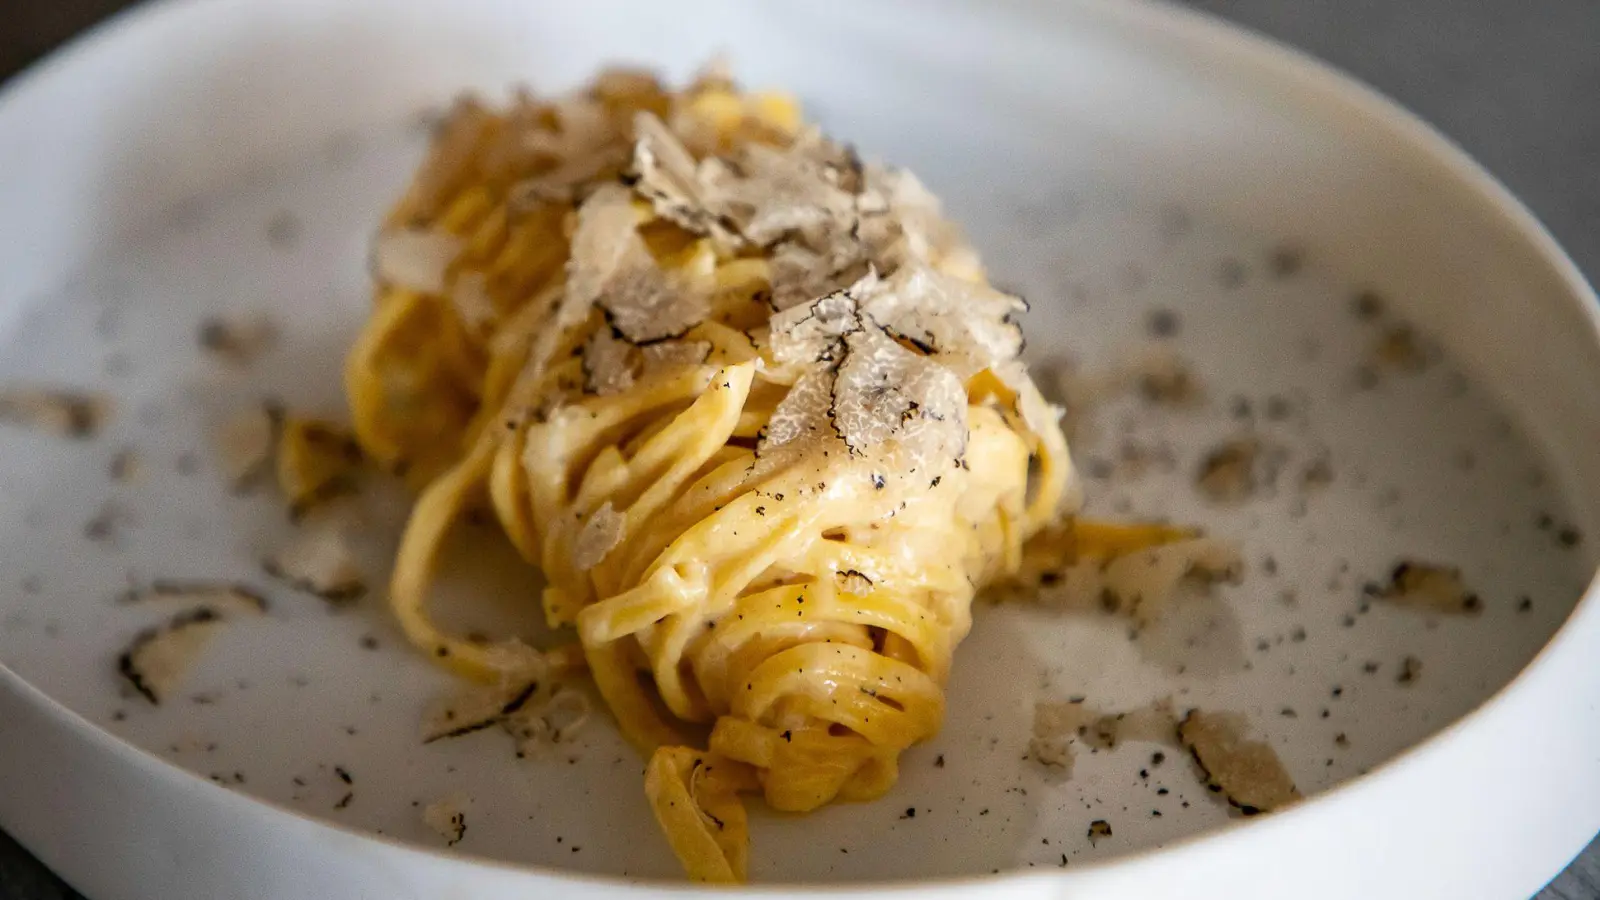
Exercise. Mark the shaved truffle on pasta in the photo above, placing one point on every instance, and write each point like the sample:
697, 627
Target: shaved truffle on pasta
749, 404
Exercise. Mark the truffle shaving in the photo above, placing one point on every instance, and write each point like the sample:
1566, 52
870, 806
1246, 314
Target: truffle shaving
602, 240
969, 326
812, 333
221, 597
469, 296
547, 721
157, 659
665, 356
1058, 726
447, 818
65, 413
1055, 727
885, 391
585, 147
317, 461
795, 191
1247, 773
601, 533
245, 444
1154, 723
666, 174
911, 224
319, 562
414, 259
238, 341
474, 709
1143, 583
611, 266
646, 304
1430, 587
607, 364
800, 274
802, 415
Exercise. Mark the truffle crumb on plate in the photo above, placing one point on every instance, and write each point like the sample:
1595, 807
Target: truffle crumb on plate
237, 341
157, 659
448, 818
1227, 474
222, 597
1098, 829
1247, 773
1429, 587
246, 443
65, 413
317, 461
319, 562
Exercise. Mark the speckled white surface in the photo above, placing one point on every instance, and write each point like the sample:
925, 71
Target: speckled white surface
1423, 465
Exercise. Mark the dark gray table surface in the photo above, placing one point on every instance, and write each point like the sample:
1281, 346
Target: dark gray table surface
1516, 83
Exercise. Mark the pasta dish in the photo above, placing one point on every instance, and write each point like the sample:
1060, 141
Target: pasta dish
749, 404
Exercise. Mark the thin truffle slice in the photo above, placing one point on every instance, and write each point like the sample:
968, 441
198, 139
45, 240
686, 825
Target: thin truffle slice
238, 341
1247, 773
548, 720
1143, 583
66, 413
222, 597
664, 356
157, 659
969, 326
1430, 587
801, 417
1055, 727
800, 274
1228, 472
316, 462
447, 818
1154, 723
665, 173
474, 710
811, 333
902, 222
611, 266
319, 562
885, 391
601, 242
645, 303
607, 364
246, 443
771, 193
414, 259
597, 537
1058, 726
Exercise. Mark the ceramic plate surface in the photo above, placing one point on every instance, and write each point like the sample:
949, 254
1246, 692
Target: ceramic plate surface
1416, 362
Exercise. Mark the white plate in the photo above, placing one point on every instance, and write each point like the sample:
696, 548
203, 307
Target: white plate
1110, 159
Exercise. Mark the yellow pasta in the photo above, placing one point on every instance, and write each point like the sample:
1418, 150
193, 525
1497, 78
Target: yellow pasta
748, 404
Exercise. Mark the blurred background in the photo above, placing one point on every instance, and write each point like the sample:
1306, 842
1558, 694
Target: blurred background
1516, 83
